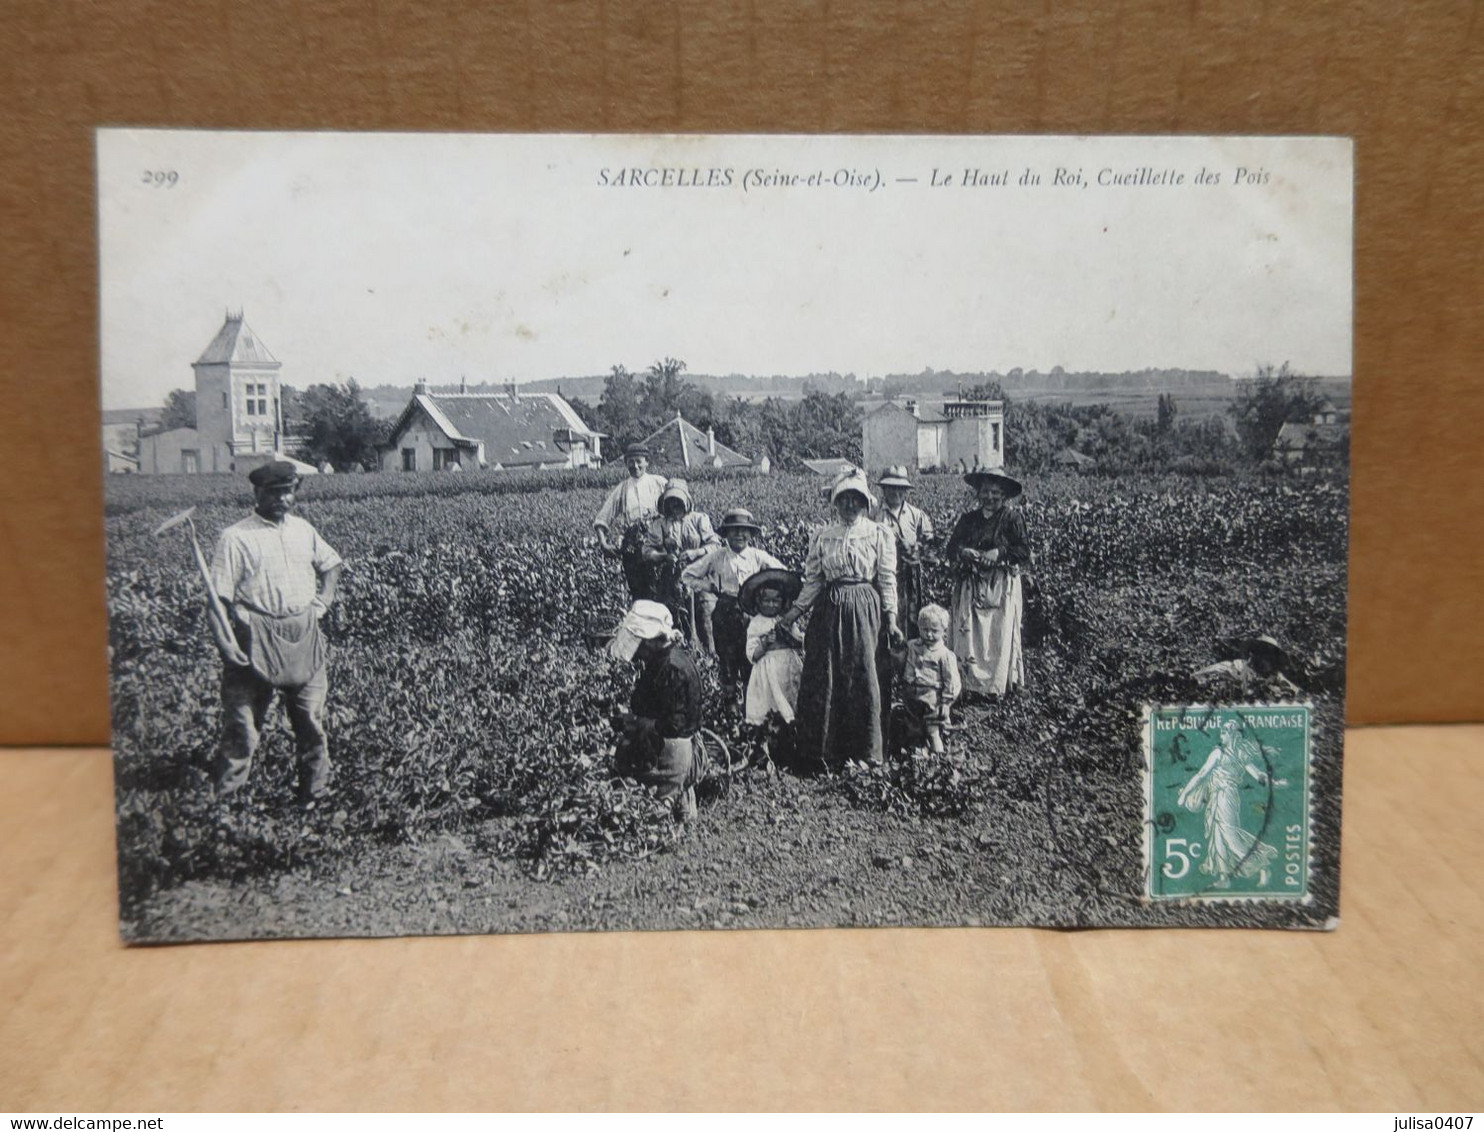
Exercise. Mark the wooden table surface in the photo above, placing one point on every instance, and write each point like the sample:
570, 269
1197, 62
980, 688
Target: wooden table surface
1382, 1014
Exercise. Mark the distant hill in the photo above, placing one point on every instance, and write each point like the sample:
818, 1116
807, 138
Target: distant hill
389, 400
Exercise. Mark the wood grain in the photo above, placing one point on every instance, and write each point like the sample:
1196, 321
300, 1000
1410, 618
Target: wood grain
1381, 1014
1405, 81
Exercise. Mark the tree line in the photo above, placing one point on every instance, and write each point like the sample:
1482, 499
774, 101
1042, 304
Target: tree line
633, 406
332, 422
1039, 435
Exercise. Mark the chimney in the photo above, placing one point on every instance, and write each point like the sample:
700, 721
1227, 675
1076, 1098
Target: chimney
421, 388
912, 407
710, 441
463, 385
510, 391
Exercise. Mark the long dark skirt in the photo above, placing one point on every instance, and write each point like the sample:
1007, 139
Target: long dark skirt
845, 691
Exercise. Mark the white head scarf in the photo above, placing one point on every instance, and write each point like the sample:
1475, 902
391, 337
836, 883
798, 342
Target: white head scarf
645, 620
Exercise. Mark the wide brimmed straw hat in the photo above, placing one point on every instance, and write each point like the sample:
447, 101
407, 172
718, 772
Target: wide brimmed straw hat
645, 621
1012, 486
676, 489
770, 579
895, 476
738, 517
853, 480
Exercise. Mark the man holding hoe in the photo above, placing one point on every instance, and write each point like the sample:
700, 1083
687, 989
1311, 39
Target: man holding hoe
276, 578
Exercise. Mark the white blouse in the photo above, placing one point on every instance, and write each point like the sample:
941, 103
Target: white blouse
864, 551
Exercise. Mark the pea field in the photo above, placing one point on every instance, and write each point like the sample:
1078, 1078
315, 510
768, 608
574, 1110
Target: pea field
469, 719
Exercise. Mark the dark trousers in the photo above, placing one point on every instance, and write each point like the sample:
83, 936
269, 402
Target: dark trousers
246, 697
639, 576
729, 626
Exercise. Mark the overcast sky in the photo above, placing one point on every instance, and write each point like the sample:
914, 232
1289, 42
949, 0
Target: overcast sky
392, 257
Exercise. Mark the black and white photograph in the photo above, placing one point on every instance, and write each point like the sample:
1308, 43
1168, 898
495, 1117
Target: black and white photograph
538, 533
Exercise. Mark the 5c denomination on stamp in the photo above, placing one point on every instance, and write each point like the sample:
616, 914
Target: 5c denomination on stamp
1227, 813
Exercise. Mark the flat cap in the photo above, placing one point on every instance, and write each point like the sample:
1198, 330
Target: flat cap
279, 473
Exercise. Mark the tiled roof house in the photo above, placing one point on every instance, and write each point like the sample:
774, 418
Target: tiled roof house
1315, 441
680, 442
440, 431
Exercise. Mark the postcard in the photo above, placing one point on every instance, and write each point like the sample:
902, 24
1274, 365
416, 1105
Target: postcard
565, 533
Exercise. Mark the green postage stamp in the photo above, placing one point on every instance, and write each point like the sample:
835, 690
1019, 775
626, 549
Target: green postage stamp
1227, 802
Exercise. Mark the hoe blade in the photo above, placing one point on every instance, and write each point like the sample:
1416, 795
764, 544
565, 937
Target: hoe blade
175, 520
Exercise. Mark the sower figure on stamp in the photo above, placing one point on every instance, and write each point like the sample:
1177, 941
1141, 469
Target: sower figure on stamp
627, 510
1216, 788
277, 578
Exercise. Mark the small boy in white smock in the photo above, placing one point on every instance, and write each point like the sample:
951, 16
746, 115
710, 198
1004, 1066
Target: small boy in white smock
929, 681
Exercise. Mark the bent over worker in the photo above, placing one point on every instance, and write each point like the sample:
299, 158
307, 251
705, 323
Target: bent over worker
277, 577
657, 743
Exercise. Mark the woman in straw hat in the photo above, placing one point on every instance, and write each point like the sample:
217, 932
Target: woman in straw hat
913, 531
657, 743
850, 581
988, 550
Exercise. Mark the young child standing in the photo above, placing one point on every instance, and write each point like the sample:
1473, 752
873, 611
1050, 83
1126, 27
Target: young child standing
930, 680
776, 655
722, 573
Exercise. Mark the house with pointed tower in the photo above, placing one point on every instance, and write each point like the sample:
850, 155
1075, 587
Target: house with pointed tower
239, 410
